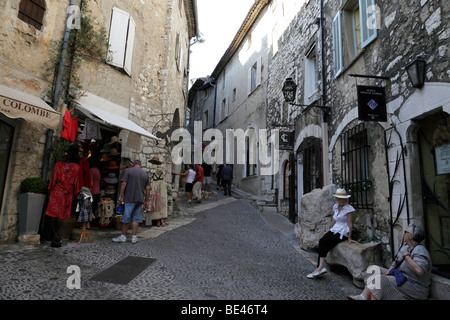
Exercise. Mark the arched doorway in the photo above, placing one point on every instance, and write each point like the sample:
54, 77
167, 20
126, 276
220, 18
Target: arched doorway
434, 145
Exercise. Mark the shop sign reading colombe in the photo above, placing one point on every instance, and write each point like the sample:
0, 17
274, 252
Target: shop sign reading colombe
16, 104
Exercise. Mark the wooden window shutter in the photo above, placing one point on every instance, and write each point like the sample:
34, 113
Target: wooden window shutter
118, 37
337, 44
130, 46
258, 72
32, 12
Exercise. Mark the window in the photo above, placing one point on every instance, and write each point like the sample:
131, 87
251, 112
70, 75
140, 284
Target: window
353, 28
355, 166
311, 75
224, 108
121, 40
32, 12
254, 76
357, 31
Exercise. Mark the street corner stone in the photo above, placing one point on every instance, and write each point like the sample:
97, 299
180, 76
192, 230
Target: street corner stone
356, 257
30, 239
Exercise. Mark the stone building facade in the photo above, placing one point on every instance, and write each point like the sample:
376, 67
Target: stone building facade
146, 87
395, 168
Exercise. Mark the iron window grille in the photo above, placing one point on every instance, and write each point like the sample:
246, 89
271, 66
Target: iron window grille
312, 164
32, 12
355, 166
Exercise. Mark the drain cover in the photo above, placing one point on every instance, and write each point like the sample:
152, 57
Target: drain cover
124, 271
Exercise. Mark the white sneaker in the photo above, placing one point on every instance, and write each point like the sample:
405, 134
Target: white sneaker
120, 239
134, 239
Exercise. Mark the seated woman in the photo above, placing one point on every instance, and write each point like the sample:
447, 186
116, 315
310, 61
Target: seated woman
341, 229
409, 276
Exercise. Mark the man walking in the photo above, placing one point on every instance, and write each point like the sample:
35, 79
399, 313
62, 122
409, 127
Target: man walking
135, 183
207, 176
197, 189
227, 178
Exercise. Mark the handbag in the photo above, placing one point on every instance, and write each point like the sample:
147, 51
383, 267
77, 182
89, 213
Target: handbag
399, 276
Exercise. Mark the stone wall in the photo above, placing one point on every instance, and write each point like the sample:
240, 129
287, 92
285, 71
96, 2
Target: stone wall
405, 30
157, 85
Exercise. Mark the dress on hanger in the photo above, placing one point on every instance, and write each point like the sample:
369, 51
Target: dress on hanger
63, 186
85, 173
159, 194
70, 127
91, 130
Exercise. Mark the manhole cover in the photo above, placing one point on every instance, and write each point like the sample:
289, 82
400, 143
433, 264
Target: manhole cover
124, 271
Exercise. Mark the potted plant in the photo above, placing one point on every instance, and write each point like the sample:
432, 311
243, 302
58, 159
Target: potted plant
31, 203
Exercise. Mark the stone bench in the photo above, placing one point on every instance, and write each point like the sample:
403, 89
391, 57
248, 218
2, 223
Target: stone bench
356, 257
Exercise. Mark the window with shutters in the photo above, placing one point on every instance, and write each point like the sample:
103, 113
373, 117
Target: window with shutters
311, 76
121, 40
224, 108
353, 28
32, 12
254, 76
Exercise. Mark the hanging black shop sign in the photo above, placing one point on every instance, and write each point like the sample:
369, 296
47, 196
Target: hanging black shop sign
371, 103
286, 140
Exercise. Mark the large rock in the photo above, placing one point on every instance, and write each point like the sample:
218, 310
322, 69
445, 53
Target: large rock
315, 216
356, 257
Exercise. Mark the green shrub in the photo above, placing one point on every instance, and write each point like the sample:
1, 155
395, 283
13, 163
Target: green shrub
33, 185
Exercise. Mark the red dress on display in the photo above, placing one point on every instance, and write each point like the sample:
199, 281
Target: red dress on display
63, 186
70, 127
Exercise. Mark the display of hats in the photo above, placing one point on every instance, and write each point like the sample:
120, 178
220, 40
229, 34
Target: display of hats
114, 140
155, 160
105, 157
114, 152
110, 190
112, 165
106, 148
111, 178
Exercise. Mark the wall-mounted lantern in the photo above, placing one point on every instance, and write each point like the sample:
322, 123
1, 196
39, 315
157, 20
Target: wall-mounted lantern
416, 72
289, 90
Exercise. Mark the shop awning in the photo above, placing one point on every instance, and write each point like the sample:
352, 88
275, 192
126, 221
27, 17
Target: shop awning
16, 104
102, 116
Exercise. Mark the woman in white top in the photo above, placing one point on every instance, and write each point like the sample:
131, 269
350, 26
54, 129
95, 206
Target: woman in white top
190, 173
341, 229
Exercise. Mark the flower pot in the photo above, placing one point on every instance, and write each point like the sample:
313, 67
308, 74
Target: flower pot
30, 212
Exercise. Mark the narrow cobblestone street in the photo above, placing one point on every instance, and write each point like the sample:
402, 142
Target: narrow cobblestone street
217, 250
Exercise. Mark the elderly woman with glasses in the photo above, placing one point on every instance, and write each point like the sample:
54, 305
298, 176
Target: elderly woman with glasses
409, 276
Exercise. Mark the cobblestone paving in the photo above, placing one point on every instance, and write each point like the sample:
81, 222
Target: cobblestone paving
216, 251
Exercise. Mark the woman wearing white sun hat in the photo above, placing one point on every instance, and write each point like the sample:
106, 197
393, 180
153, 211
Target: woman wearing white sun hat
341, 229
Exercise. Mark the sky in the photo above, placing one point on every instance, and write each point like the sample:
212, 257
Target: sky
218, 20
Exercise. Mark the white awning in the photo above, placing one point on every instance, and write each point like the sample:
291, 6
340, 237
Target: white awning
102, 116
16, 104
